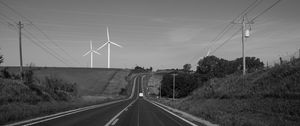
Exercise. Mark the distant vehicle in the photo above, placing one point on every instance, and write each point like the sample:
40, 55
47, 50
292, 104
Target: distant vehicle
141, 94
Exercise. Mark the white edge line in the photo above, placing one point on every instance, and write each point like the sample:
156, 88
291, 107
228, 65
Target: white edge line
173, 114
69, 112
115, 122
205, 122
51, 118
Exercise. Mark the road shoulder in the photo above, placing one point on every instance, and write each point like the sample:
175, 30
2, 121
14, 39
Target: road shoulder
183, 114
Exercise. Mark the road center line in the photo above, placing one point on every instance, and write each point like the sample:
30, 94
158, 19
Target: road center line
126, 108
116, 116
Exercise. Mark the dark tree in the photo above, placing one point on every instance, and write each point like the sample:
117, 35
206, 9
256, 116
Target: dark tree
184, 85
1, 59
252, 63
212, 66
187, 67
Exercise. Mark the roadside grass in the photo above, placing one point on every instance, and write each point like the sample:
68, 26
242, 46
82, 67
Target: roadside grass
269, 97
89, 81
20, 101
21, 111
52, 94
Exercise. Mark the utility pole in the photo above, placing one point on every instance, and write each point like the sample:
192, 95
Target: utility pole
160, 91
174, 74
243, 46
20, 26
243, 23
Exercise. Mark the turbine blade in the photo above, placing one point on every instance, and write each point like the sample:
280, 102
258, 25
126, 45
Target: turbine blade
102, 46
96, 52
208, 52
107, 33
116, 44
91, 45
87, 53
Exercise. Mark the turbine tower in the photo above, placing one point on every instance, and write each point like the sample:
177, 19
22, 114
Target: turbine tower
108, 47
91, 51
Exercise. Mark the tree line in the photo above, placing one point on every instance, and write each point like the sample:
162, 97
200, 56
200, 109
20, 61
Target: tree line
207, 68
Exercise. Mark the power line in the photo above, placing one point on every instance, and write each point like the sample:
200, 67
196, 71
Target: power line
229, 26
252, 20
243, 23
238, 17
54, 53
51, 40
5, 22
47, 51
12, 9
37, 44
4, 16
266, 10
227, 40
40, 30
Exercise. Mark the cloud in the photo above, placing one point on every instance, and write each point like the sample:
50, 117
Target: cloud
183, 34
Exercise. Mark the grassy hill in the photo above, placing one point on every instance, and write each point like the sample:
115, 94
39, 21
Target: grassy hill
89, 81
58, 89
269, 97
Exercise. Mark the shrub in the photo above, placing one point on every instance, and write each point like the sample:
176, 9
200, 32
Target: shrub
59, 89
15, 91
28, 76
5, 73
123, 91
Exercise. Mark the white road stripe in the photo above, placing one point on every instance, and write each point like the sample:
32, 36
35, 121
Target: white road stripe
202, 121
116, 116
126, 108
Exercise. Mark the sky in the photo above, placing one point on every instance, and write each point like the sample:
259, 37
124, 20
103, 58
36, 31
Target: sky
157, 33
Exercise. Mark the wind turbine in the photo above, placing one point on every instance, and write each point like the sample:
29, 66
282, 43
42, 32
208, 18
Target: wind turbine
108, 47
91, 51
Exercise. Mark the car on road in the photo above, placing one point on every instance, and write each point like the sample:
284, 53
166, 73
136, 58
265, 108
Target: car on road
141, 94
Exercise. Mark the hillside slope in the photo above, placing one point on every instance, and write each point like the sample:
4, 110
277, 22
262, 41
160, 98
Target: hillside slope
58, 89
89, 81
268, 97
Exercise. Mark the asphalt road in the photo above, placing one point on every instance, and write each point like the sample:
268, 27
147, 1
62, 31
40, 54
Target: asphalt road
135, 111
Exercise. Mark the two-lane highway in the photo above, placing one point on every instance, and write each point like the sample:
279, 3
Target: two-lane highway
134, 111
144, 113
